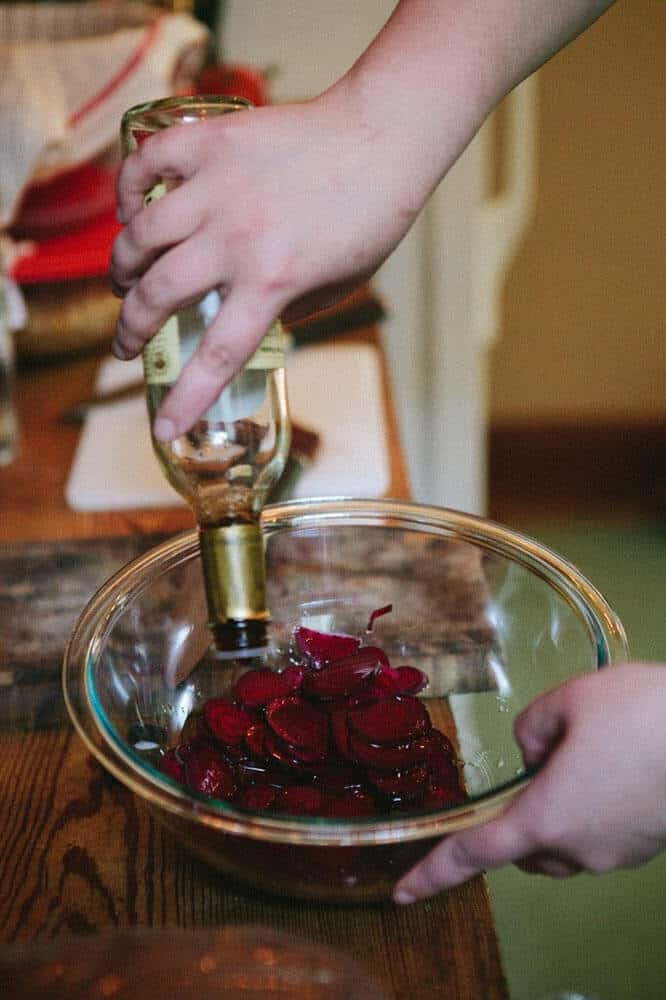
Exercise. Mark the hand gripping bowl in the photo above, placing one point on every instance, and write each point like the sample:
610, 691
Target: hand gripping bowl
491, 617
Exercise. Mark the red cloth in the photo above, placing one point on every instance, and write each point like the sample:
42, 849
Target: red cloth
88, 192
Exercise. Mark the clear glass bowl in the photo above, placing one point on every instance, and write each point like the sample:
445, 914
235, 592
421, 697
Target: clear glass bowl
492, 617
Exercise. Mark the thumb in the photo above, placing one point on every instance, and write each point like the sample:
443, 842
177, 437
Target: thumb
508, 837
540, 727
463, 855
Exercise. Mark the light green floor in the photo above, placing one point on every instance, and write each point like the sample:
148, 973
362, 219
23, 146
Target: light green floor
602, 936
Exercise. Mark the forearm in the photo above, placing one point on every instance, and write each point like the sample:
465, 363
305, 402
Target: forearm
438, 67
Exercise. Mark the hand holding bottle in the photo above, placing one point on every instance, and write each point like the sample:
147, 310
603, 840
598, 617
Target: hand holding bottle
289, 207
249, 216
596, 805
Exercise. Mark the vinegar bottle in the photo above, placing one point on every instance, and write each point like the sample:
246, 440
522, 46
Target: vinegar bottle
225, 465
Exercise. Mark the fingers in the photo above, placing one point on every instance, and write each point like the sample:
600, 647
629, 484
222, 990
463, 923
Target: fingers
180, 276
516, 835
221, 353
541, 726
152, 230
173, 153
463, 855
543, 863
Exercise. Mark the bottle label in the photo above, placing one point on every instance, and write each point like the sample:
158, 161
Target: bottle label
161, 355
164, 356
167, 352
270, 353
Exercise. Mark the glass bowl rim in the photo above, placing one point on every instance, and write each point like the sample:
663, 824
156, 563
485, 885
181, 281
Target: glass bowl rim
606, 630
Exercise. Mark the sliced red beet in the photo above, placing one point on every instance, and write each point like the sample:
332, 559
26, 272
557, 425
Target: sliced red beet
377, 613
340, 733
406, 784
337, 778
255, 740
250, 772
375, 651
343, 677
173, 766
258, 797
438, 796
397, 681
227, 722
441, 745
195, 729
209, 773
386, 682
411, 680
299, 724
291, 757
442, 760
321, 646
300, 800
257, 687
396, 720
293, 675
349, 806
388, 758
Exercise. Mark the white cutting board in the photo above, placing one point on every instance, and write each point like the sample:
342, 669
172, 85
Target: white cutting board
335, 389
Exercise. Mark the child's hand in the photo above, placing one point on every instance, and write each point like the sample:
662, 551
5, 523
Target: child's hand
597, 804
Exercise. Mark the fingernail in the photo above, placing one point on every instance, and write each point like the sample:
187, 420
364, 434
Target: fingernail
163, 429
403, 897
120, 351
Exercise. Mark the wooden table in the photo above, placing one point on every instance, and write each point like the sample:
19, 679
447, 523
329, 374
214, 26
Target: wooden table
79, 852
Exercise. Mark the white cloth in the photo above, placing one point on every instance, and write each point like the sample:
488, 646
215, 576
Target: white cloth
69, 71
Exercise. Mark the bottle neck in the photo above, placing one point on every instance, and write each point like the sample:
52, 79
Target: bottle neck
235, 581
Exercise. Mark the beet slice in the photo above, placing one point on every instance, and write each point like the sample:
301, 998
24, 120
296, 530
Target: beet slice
394, 721
209, 773
291, 757
227, 722
377, 613
257, 797
442, 761
336, 778
195, 729
385, 683
411, 680
321, 646
300, 800
340, 733
173, 766
293, 675
299, 724
342, 677
257, 688
349, 806
439, 796
255, 740
390, 758
251, 772
378, 653
406, 784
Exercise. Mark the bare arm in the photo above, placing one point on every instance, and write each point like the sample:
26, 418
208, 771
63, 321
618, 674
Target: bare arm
291, 206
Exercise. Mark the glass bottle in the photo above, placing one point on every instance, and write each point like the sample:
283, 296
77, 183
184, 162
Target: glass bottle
225, 465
